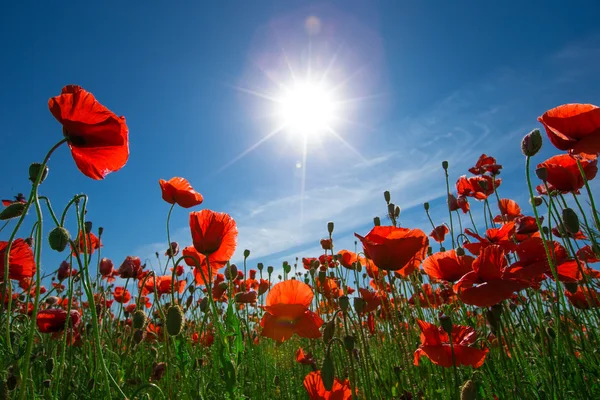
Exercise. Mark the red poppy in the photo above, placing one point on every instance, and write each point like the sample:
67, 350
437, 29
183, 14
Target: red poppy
489, 283
461, 203
395, 249
91, 242
372, 300
447, 265
130, 268
304, 358
563, 172
287, 312
525, 227
19, 198
574, 127
486, 164
173, 250
439, 233
478, 187
564, 233
179, 191
313, 383
326, 244
97, 137
587, 254
106, 267
348, 259
263, 286
493, 236
435, 345
121, 295
64, 271
162, 285
246, 297
55, 319
21, 264
583, 298
533, 263
509, 211
429, 298
206, 339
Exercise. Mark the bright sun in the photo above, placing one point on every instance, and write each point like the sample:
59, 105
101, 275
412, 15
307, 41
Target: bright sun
307, 109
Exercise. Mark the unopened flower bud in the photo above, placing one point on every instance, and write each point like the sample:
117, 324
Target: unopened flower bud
446, 324
460, 251
426, 206
35, 169
12, 211
88, 227
531, 143
231, 272
397, 211
246, 253
468, 391
175, 320
330, 227
537, 201
349, 342
59, 239
376, 221
270, 269
387, 196
445, 165
139, 319
260, 266
328, 372
344, 302
570, 220
442, 248
391, 209
322, 277
204, 304
359, 304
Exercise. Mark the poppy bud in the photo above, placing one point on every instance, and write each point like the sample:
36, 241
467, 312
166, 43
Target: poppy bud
329, 330
397, 211
537, 201
571, 287
175, 320
359, 304
429, 251
139, 319
12, 381
344, 302
328, 372
47, 383
460, 251
306, 280
468, 391
570, 220
445, 165
376, 221
12, 211
446, 324
542, 173
260, 266
270, 269
246, 253
322, 277
204, 304
88, 226
483, 185
442, 248
35, 169
231, 272
49, 365
52, 300
426, 206
330, 227
156, 254
29, 241
286, 267
387, 196
550, 332
100, 231
531, 143
58, 238
349, 342
391, 209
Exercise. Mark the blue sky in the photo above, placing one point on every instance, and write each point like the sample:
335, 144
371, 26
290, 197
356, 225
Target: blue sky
422, 82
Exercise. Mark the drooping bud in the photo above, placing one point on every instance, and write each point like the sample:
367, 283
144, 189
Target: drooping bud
329, 330
59, 238
570, 220
12, 211
531, 143
330, 227
328, 372
231, 272
204, 304
387, 196
397, 212
175, 320
139, 319
468, 391
460, 251
542, 173
537, 201
344, 302
376, 221
49, 365
35, 169
359, 304
446, 323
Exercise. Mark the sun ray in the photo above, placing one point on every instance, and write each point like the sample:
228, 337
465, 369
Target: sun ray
257, 94
359, 99
303, 181
331, 63
348, 145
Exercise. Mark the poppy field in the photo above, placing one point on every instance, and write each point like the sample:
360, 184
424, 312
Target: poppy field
504, 308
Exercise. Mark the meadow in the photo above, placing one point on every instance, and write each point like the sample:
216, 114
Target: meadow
507, 308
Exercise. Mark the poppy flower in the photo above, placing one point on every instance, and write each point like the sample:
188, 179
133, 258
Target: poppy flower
179, 191
287, 312
533, 263
55, 319
263, 286
121, 295
493, 236
19, 198
525, 227
395, 249
130, 268
304, 358
348, 259
562, 233
64, 271
98, 139
587, 254
429, 298
91, 242
448, 266
307, 262
486, 164
21, 264
246, 297
574, 127
371, 300
313, 383
326, 244
489, 283
584, 298
478, 187
563, 173
106, 267
439, 233
460, 203
509, 211
173, 250
435, 345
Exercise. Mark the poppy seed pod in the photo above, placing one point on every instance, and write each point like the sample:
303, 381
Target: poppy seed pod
12, 211
88, 226
359, 304
328, 372
376, 221
570, 220
537, 201
460, 251
426, 206
330, 227
531, 143
270, 269
35, 169
246, 253
446, 324
175, 320
391, 209
542, 173
344, 302
387, 196
445, 165
349, 342
59, 239
468, 391
139, 319
260, 266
